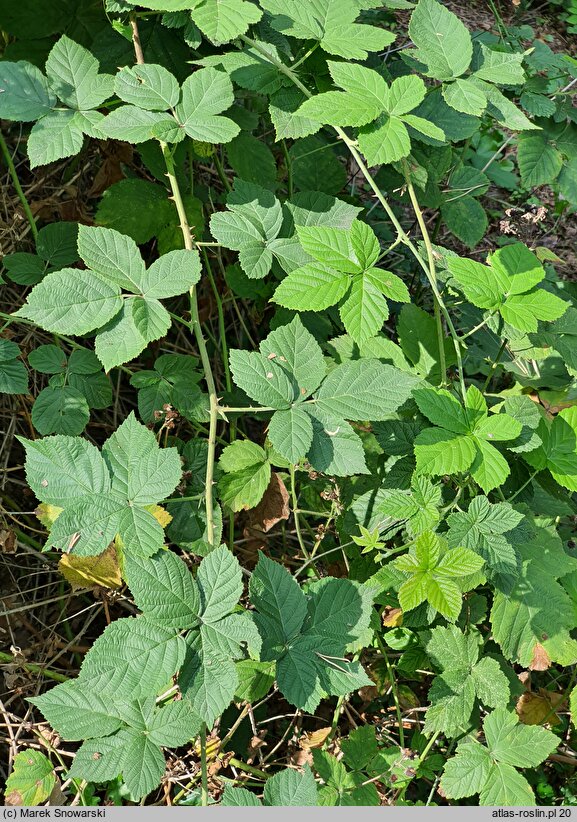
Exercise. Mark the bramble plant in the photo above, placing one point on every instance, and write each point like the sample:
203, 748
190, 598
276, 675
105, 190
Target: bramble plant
314, 341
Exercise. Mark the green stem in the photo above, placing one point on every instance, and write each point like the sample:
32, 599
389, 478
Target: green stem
401, 233
391, 674
200, 341
203, 767
221, 172
494, 366
525, 484
32, 667
289, 168
242, 766
16, 183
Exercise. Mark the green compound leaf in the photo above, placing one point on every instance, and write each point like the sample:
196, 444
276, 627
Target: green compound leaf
76, 302
432, 571
534, 618
490, 771
96, 506
483, 528
250, 225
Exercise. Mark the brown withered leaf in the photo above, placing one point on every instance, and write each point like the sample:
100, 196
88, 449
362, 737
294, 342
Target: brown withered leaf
89, 572
7, 541
315, 739
540, 660
272, 508
538, 708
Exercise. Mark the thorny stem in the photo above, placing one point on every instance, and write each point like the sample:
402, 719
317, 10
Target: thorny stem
189, 245
16, 183
401, 233
197, 329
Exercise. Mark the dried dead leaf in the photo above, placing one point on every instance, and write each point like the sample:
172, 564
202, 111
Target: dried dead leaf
7, 541
272, 508
539, 708
315, 739
540, 660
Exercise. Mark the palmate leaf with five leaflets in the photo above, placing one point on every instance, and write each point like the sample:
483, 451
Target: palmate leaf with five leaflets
72, 76
308, 635
464, 679
489, 770
104, 494
508, 285
463, 441
344, 273
381, 111
70, 301
288, 368
533, 620
488, 529
432, 572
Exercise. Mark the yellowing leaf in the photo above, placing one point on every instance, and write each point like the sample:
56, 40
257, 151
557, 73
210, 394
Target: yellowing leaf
47, 514
160, 514
392, 617
88, 572
31, 780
